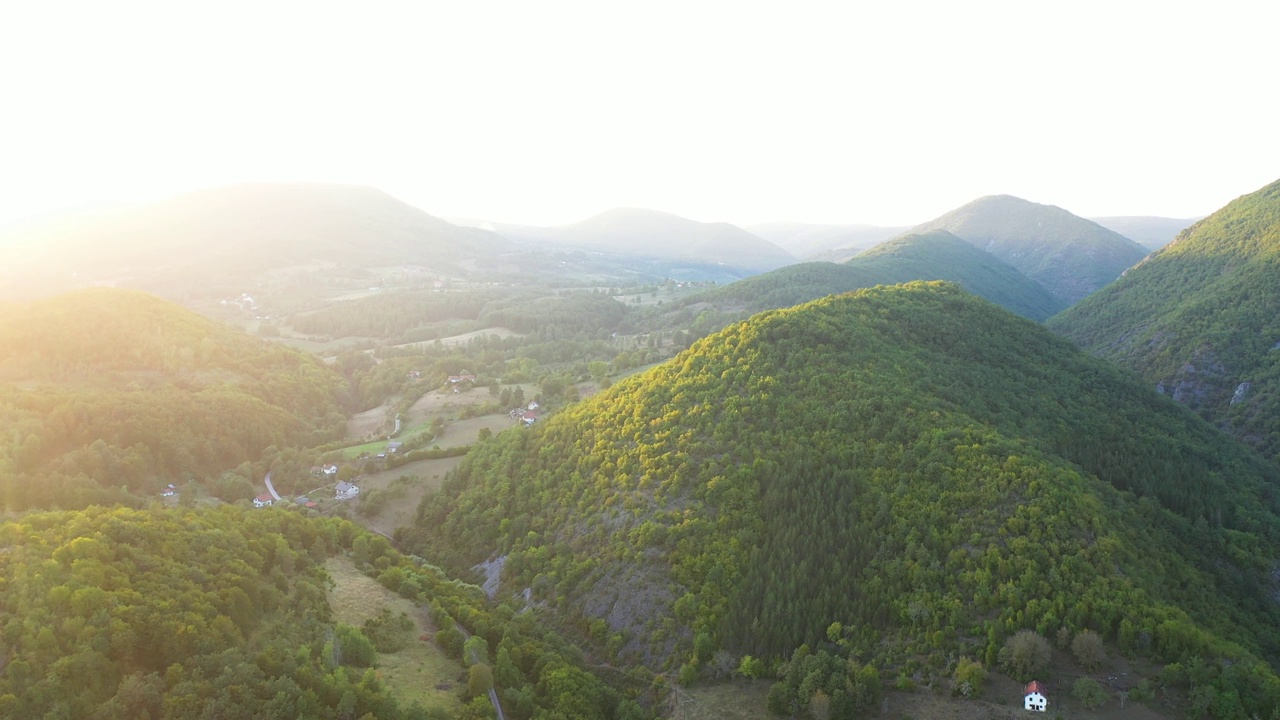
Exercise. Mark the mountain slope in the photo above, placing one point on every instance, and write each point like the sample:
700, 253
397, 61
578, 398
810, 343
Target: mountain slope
650, 233
920, 467
936, 255
208, 237
135, 392
1070, 256
1150, 232
1201, 319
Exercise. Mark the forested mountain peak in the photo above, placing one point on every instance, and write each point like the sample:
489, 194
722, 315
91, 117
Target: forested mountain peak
1199, 318
885, 469
1070, 256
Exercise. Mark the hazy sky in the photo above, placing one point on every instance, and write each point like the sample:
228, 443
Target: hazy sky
884, 112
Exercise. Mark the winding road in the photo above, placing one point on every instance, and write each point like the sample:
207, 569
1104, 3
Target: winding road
271, 488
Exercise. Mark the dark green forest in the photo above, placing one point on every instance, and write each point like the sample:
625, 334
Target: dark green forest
913, 466
1200, 319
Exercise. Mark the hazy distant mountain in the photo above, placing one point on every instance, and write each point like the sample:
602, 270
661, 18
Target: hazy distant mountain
1070, 256
654, 234
207, 236
1152, 233
936, 255
807, 240
1198, 318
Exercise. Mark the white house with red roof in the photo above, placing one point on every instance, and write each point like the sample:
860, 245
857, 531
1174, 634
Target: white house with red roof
1033, 697
263, 500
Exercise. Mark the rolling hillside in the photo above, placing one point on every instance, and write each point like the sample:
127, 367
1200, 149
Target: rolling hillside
113, 389
224, 237
895, 474
1070, 256
1200, 319
936, 255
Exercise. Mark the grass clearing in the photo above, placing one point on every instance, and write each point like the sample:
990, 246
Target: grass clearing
737, 700
464, 338
401, 509
414, 673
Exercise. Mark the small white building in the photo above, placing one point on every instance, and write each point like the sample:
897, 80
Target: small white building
1033, 697
345, 491
263, 500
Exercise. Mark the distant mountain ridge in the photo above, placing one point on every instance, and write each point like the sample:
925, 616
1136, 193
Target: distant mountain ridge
1200, 318
934, 255
1150, 232
813, 241
202, 238
651, 233
1070, 256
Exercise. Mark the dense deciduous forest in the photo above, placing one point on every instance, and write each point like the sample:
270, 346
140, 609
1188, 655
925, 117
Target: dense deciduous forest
1200, 319
120, 613
920, 467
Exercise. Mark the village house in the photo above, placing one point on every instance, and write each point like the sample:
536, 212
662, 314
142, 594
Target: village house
1033, 697
529, 417
262, 500
394, 446
464, 376
345, 491
169, 491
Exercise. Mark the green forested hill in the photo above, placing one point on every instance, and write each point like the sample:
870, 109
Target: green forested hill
1070, 256
117, 389
936, 255
126, 614
906, 472
1200, 319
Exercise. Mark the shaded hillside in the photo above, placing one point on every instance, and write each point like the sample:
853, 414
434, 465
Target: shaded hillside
653, 234
807, 240
216, 238
1070, 256
135, 392
925, 470
1200, 319
1152, 233
937, 255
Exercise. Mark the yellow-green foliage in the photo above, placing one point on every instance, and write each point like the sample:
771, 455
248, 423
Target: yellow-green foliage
107, 389
912, 462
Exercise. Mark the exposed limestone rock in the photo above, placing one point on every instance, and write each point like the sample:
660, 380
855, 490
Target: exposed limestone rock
1241, 390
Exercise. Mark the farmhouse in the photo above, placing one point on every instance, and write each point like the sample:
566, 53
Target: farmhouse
1033, 697
262, 500
345, 491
